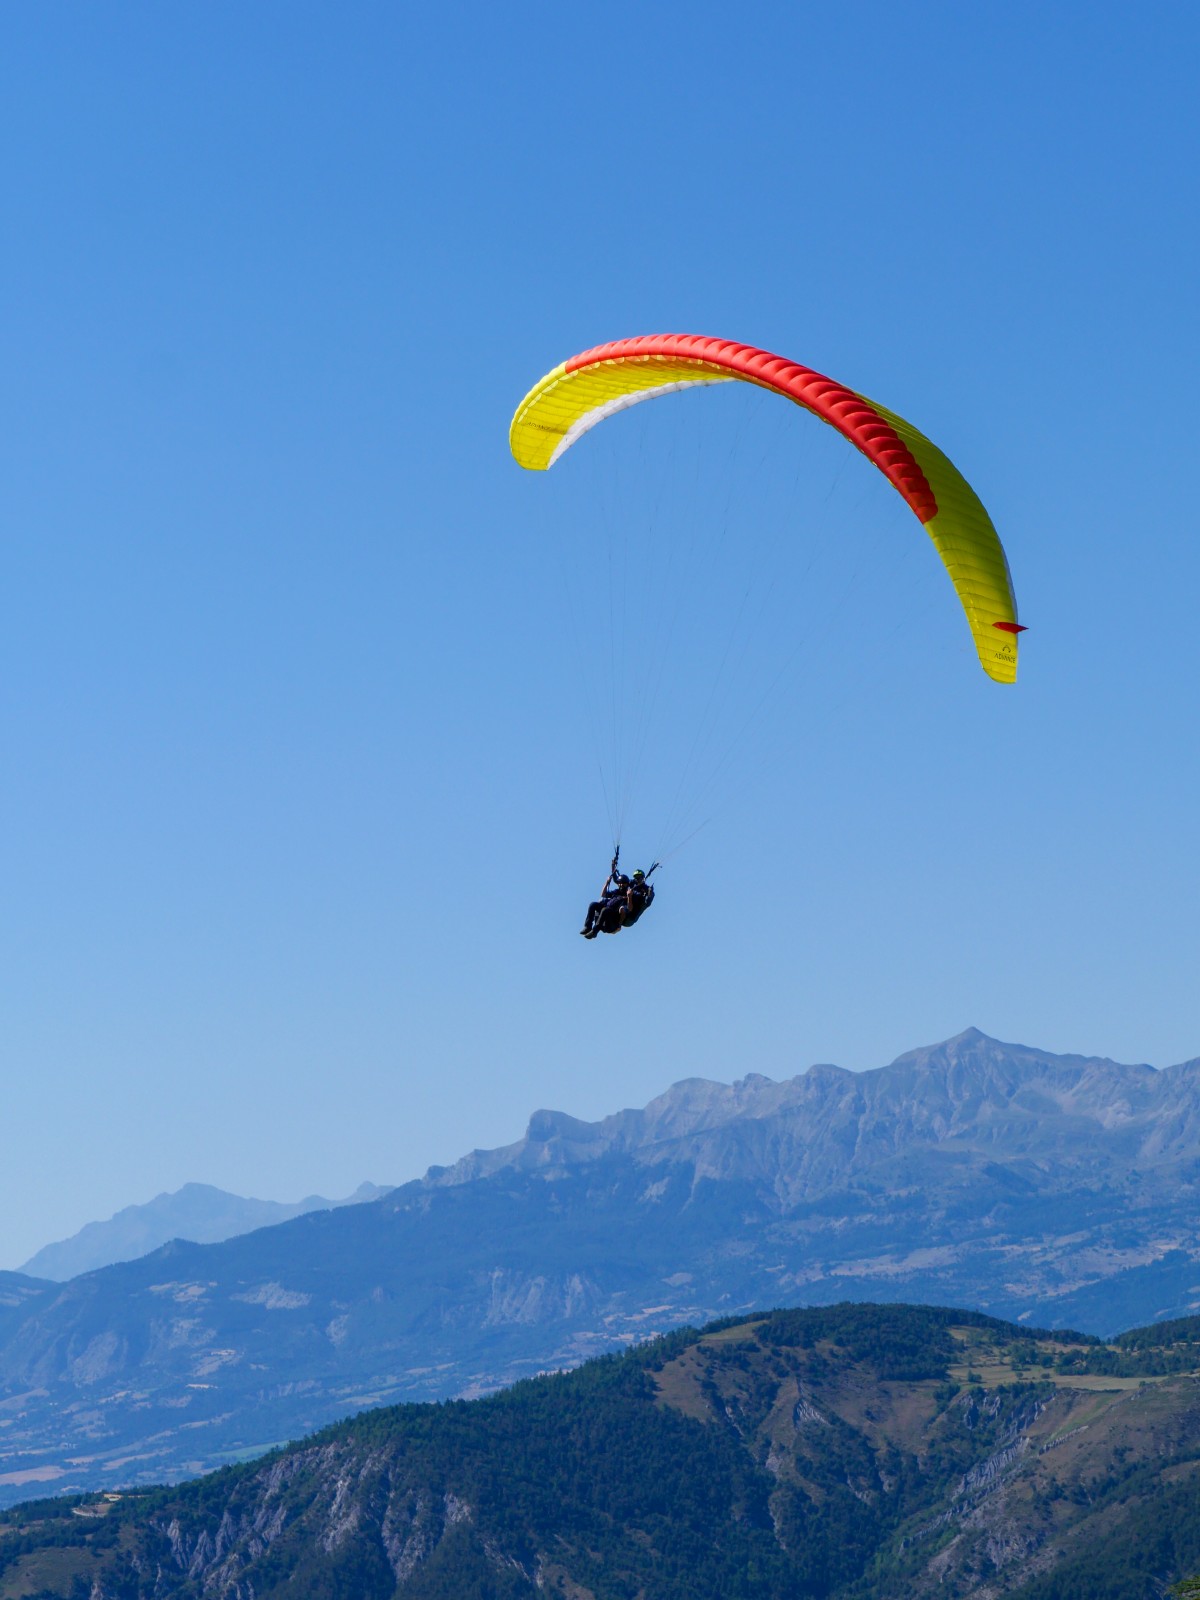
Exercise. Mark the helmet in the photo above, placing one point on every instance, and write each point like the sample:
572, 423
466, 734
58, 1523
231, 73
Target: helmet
639, 873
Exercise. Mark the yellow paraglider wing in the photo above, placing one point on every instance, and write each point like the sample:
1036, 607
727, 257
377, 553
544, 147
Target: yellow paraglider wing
582, 392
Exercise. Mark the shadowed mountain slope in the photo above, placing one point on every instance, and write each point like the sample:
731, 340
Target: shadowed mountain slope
17, 1291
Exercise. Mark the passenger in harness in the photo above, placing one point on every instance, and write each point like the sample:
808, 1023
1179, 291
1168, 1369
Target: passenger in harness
622, 901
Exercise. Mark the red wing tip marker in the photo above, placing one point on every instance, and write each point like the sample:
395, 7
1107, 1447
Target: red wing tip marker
1011, 627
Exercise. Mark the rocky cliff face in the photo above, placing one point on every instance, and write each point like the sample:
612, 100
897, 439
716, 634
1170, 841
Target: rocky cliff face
1057, 1188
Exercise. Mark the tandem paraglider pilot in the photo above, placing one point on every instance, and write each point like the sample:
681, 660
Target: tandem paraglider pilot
622, 901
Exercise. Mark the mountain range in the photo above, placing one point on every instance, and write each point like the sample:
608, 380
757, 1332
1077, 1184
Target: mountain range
855, 1452
197, 1212
1059, 1190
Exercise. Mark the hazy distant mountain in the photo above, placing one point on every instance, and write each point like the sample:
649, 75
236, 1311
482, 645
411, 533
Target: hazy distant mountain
848, 1453
197, 1212
1059, 1189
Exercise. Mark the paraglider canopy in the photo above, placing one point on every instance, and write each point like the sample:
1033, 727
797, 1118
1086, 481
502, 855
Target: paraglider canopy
582, 392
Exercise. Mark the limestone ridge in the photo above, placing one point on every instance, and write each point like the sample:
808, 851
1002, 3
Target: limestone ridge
1058, 1189
970, 1095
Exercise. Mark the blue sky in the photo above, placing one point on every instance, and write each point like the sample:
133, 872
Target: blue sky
299, 812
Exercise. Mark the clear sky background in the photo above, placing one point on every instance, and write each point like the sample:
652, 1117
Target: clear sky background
298, 813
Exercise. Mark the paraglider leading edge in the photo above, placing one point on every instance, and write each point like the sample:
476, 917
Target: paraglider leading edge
580, 393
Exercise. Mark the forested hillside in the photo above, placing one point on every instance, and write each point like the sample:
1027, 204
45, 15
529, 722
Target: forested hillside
852, 1452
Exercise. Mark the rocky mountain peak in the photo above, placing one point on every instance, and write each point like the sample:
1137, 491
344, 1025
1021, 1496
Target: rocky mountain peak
547, 1125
